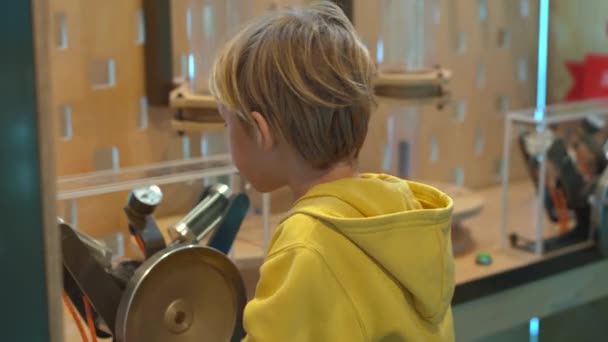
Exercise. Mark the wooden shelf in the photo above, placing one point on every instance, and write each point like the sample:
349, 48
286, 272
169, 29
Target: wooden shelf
183, 98
196, 126
400, 79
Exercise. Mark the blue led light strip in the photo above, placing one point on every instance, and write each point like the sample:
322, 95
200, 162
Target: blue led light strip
543, 52
534, 328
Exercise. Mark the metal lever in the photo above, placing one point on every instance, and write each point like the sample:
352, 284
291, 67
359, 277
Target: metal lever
140, 206
204, 218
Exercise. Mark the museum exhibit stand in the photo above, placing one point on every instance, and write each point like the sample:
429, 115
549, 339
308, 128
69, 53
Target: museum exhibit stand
125, 217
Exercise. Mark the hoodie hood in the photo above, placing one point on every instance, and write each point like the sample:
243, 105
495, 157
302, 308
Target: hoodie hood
403, 225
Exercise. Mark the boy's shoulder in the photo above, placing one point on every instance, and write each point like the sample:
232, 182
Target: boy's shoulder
293, 231
306, 231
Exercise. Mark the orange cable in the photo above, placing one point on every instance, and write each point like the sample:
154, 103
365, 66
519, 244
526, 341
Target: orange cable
559, 201
140, 243
565, 219
70, 305
87, 307
582, 164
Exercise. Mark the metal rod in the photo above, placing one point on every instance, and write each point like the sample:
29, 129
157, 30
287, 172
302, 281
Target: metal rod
505, 167
540, 200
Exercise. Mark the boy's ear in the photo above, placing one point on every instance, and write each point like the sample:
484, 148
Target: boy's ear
266, 138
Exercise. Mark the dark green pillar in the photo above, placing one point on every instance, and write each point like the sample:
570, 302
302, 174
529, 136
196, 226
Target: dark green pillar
24, 241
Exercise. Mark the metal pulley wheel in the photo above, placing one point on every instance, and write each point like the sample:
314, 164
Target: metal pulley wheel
186, 293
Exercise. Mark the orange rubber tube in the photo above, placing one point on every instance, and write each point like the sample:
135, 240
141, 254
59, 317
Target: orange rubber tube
582, 164
559, 201
140, 243
70, 306
87, 307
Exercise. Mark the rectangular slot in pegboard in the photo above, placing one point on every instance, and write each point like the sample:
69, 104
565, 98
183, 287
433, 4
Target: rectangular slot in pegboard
524, 8
103, 73
482, 10
480, 142
61, 31
140, 22
523, 69
67, 130
143, 118
434, 154
404, 159
458, 176
460, 110
107, 158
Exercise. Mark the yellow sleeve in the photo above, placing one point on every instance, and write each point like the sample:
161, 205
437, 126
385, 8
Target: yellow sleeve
299, 299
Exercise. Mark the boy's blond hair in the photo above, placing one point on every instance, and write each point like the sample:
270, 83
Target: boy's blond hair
309, 75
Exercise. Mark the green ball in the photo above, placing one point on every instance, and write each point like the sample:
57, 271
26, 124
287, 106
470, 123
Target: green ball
483, 258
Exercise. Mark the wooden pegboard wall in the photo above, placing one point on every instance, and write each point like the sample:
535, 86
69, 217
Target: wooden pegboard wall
100, 114
491, 47
99, 107
181, 16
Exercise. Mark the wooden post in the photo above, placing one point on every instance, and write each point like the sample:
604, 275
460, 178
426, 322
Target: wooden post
158, 51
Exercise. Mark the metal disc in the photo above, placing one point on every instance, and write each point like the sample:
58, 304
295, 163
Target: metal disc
182, 294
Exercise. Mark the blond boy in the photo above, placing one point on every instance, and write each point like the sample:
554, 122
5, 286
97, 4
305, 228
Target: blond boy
360, 257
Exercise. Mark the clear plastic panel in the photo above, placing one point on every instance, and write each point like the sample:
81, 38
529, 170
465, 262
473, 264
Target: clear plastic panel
550, 171
210, 23
563, 112
403, 138
103, 182
406, 42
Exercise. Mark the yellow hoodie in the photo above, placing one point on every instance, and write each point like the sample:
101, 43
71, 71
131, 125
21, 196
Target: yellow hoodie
387, 275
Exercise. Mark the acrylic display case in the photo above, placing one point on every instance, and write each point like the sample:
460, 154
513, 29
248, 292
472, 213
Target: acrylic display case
564, 149
181, 181
201, 28
406, 41
209, 24
97, 55
409, 78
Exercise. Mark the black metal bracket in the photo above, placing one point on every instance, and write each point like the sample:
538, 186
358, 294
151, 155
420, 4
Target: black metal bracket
158, 51
84, 274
